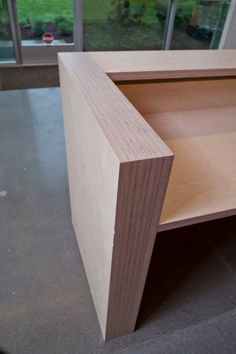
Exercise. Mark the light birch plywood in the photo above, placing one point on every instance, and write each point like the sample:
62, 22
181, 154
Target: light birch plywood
119, 163
180, 95
140, 65
118, 173
202, 184
197, 120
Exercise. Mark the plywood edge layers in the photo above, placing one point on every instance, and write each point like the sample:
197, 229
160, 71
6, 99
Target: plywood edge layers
141, 191
129, 135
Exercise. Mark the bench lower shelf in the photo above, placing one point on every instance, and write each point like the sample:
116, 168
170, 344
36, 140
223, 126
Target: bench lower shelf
202, 183
197, 121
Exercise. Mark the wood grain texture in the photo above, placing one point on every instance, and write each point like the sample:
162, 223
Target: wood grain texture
128, 134
142, 187
118, 173
93, 172
140, 65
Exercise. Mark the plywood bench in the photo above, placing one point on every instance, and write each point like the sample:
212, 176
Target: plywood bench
151, 146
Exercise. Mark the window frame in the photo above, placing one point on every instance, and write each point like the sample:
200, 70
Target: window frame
41, 53
47, 54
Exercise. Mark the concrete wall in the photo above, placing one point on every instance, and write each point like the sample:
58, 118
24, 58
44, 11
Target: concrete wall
28, 76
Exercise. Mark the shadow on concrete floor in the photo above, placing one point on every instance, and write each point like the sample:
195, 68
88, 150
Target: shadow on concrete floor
2, 351
186, 264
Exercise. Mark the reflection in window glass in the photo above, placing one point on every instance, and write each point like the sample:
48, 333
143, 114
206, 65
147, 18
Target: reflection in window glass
6, 45
199, 23
124, 24
39, 17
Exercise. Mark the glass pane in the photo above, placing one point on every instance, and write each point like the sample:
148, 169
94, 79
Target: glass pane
123, 24
7, 53
199, 23
54, 17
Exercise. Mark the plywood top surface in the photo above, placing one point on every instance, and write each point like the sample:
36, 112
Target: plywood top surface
132, 65
130, 137
202, 185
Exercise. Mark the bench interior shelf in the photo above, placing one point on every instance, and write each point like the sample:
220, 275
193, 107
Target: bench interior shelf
197, 120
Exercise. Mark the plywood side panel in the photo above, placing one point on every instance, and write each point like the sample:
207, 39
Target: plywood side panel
93, 179
145, 65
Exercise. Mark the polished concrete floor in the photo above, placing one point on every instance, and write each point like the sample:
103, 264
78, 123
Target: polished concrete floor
189, 302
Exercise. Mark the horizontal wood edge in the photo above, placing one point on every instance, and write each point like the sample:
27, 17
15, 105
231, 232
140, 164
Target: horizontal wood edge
165, 226
123, 65
170, 74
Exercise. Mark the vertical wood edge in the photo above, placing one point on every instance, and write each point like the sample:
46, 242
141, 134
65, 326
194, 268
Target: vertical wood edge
141, 190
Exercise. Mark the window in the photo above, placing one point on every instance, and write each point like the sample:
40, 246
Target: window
45, 28
124, 25
153, 24
7, 52
199, 24
38, 17
106, 25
